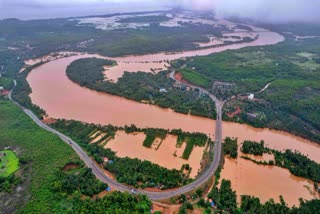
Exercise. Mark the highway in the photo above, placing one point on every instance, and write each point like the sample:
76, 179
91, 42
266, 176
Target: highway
101, 175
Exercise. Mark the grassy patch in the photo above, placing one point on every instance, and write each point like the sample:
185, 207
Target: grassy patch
195, 78
9, 163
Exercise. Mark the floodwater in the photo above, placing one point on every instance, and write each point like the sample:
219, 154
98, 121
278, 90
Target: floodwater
166, 155
266, 182
113, 73
61, 98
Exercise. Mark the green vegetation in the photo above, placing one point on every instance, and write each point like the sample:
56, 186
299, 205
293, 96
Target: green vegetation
52, 190
152, 134
142, 86
34, 38
135, 171
7, 83
145, 19
45, 153
290, 66
91, 70
252, 147
224, 197
81, 180
230, 147
9, 163
21, 92
298, 164
7, 183
191, 139
117, 202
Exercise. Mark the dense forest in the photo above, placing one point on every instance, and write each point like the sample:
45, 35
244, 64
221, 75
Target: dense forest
144, 174
7, 183
81, 180
141, 86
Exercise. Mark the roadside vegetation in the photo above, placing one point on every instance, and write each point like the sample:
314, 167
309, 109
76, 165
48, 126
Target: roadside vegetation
140, 87
22, 91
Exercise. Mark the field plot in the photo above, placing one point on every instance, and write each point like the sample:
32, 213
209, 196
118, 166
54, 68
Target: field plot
165, 153
9, 163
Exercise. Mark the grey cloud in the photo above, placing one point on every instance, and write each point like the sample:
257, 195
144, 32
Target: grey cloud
262, 10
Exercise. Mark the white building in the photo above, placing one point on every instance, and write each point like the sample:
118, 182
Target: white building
163, 90
251, 96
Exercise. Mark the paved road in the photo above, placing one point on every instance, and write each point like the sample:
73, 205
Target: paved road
99, 172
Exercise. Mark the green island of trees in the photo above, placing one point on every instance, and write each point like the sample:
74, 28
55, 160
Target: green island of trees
252, 147
230, 147
140, 87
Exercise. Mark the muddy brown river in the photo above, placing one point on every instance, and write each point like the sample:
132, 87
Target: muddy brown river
61, 98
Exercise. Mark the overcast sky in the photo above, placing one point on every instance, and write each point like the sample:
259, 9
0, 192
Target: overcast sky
264, 10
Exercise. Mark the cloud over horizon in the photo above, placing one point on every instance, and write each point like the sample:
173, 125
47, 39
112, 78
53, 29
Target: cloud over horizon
262, 10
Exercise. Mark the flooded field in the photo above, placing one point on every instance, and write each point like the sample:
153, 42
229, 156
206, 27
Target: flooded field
166, 154
266, 182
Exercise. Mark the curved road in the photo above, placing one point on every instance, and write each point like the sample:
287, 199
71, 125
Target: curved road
100, 174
